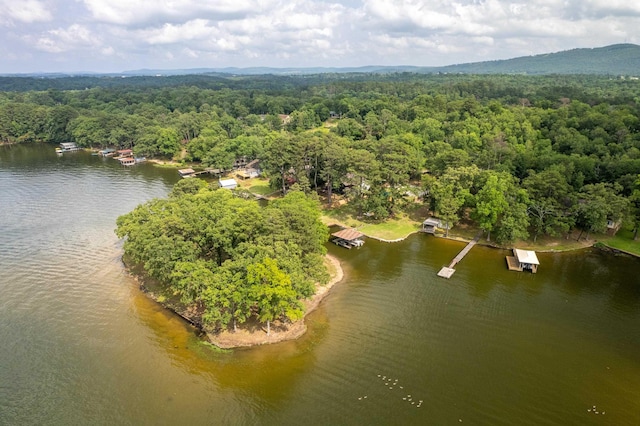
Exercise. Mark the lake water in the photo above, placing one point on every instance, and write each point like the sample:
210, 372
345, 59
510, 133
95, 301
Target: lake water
392, 343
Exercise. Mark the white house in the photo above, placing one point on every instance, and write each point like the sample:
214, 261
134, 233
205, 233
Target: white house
228, 183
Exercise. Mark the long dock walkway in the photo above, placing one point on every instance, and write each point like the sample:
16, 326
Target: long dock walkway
447, 271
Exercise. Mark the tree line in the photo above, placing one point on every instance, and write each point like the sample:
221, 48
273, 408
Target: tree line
519, 156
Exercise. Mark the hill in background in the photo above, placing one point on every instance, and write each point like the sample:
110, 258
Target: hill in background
617, 59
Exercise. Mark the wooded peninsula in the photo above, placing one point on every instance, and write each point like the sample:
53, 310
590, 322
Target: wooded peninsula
518, 157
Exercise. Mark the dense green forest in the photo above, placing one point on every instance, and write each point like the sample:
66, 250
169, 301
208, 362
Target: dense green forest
228, 257
519, 156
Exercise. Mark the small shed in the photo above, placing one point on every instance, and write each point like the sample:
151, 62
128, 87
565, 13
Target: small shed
523, 259
186, 172
430, 225
613, 226
228, 183
348, 238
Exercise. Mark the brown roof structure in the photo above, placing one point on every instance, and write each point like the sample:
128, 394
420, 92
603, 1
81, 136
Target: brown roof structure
186, 172
348, 234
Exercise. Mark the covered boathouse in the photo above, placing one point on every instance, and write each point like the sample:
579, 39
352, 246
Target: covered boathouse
348, 238
186, 173
431, 225
523, 259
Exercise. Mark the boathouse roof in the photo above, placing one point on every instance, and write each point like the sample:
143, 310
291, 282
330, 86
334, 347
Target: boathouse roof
526, 256
185, 172
432, 222
348, 234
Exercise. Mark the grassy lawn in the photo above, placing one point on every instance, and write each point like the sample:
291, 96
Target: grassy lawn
623, 240
258, 186
391, 229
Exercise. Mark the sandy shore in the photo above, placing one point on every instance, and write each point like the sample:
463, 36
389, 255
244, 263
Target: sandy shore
253, 335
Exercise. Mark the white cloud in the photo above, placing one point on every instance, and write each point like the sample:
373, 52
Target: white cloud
24, 11
173, 33
108, 51
67, 39
142, 12
201, 33
603, 8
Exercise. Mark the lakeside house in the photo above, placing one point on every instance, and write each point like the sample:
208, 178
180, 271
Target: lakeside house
250, 170
523, 259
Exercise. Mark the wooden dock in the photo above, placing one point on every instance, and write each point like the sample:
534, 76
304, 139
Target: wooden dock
513, 264
447, 271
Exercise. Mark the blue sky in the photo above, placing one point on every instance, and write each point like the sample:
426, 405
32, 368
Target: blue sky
120, 35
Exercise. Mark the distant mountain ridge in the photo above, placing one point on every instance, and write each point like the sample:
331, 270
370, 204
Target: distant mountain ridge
617, 59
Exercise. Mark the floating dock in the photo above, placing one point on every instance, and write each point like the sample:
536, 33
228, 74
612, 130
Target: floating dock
513, 264
448, 271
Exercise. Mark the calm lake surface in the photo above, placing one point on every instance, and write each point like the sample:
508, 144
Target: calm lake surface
80, 344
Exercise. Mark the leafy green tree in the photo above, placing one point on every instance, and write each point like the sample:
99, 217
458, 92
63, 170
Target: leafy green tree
635, 208
514, 221
598, 203
551, 201
490, 203
451, 192
187, 186
333, 167
273, 292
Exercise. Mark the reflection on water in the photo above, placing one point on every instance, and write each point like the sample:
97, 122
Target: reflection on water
81, 344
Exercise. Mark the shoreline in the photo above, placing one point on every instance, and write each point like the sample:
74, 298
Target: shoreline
485, 243
257, 336
248, 335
